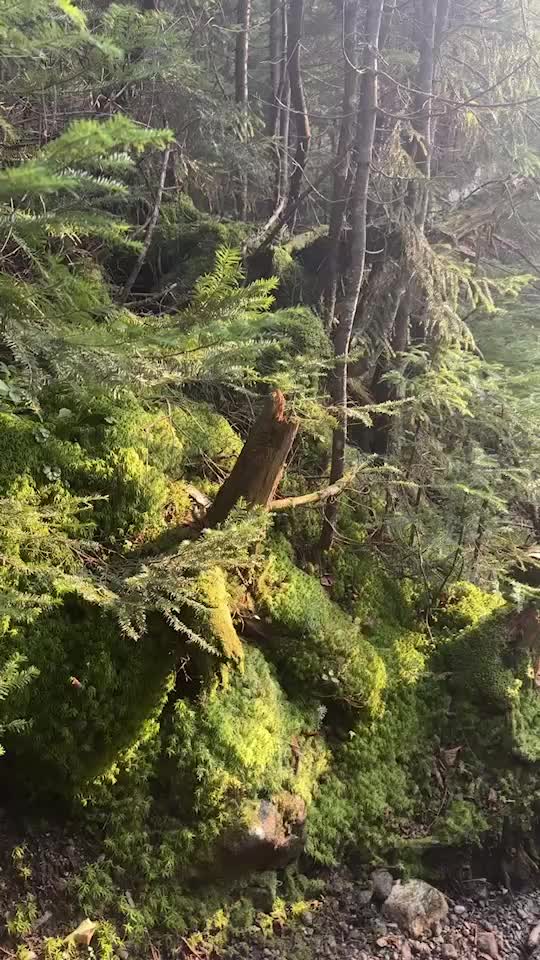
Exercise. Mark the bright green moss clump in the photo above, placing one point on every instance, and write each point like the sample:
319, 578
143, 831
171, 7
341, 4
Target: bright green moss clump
318, 649
95, 690
476, 659
464, 606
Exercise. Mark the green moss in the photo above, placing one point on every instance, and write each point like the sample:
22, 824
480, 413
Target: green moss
476, 658
375, 784
464, 606
206, 437
236, 744
215, 622
128, 460
95, 691
463, 823
318, 649
184, 244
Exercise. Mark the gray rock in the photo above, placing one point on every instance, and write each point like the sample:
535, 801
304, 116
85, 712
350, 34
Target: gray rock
364, 896
420, 948
383, 882
416, 907
449, 951
459, 910
487, 943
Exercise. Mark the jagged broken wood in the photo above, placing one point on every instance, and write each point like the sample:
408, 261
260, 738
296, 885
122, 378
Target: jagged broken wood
261, 462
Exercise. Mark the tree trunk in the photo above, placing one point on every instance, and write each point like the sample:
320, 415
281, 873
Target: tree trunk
241, 89
340, 186
150, 5
259, 467
367, 114
298, 101
274, 53
419, 146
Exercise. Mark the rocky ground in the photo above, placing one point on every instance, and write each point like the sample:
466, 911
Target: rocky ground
348, 924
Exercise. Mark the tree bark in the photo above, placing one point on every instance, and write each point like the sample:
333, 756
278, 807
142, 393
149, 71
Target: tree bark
367, 114
340, 186
241, 89
419, 146
298, 100
260, 464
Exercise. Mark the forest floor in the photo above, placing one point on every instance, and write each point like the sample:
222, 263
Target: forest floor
344, 924
344, 927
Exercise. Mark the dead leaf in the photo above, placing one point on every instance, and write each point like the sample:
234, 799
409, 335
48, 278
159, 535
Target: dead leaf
83, 934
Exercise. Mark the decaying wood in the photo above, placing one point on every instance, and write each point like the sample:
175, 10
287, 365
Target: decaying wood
260, 464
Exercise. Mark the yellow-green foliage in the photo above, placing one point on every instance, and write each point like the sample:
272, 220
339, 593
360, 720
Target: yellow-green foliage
206, 437
128, 459
462, 823
476, 658
213, 620
464, 606
203, 763
318, 649
375, 782
94, 692
235, 743
185, 241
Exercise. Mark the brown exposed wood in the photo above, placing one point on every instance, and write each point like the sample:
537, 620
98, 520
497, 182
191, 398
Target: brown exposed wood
259, 467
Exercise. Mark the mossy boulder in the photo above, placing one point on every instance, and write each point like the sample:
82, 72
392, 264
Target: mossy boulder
318, 649
94, 692
127, 460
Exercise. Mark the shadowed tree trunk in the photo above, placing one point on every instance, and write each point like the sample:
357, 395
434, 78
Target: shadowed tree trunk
341, 183
298, 104
259, 467
241, 90
367, 114
431, 22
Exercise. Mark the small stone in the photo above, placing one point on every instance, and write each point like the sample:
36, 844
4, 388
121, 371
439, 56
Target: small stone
449, 951
307, 918
122, 953
383, 882
487, 943
459, 909
364, 896
420, 948
406, 953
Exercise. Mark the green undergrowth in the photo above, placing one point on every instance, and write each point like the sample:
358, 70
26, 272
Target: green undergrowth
162, 741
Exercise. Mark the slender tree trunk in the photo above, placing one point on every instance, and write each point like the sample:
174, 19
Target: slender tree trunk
284, 111
150, 5
259, 467
277, 126
298, 100
149, 230
241, 90
367, 115
430, 24
341, 181
420, 145
274, 53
